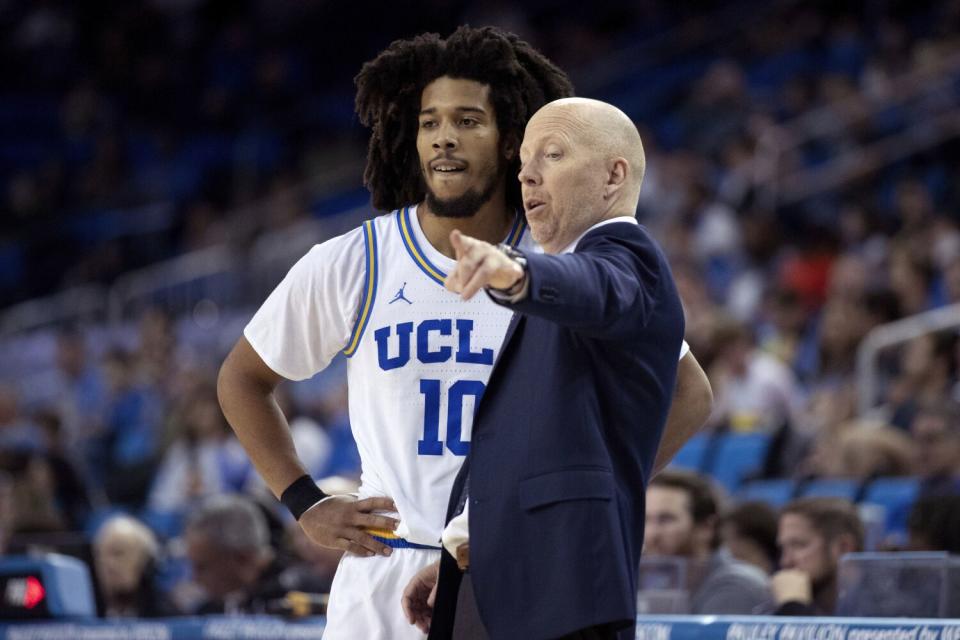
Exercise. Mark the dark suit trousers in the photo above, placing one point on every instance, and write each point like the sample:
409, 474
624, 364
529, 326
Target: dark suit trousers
468, 626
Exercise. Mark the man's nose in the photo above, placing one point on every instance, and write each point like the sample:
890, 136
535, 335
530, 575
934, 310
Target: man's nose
528, 175
445, 138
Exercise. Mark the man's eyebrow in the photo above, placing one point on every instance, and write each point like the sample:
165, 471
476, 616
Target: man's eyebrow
473, 109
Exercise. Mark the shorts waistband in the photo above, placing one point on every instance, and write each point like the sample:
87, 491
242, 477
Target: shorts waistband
400, 543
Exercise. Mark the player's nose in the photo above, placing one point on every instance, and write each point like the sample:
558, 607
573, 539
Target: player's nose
445, 138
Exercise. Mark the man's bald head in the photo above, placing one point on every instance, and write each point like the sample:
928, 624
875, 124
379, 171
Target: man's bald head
605, 129
582, 162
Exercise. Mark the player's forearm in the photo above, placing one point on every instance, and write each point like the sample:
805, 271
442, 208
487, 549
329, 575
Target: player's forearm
689, 410
252, 411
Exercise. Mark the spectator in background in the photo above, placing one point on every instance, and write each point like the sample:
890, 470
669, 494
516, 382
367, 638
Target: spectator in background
228, 545
79, 392
7, 513
813, 534
124, 456
204, 458
16, 432
934, 524
69, 486
869, 451
682, 520
936, 434
125, 554
927, 372
753, 390
748, 532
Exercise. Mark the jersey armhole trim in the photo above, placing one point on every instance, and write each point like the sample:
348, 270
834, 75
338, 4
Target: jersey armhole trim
369, 287
516, 232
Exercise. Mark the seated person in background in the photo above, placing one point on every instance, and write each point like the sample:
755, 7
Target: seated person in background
813, 533
682, 520
125, 554
936, 432
748, 532
203, 460
6, 511
934, 524
228, 545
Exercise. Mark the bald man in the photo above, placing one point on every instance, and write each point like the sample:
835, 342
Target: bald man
545, 520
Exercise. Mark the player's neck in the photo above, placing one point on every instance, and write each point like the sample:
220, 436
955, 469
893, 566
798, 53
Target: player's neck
491, 223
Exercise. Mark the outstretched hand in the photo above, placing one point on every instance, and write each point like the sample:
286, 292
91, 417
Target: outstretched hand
343, 522
420, 595
479, 265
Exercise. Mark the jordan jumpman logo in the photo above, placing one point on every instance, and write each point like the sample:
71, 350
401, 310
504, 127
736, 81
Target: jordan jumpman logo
400, 295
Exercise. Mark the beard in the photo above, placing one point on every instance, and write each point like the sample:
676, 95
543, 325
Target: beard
468, 203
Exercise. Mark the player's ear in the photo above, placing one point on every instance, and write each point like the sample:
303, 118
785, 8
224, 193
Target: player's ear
509, 147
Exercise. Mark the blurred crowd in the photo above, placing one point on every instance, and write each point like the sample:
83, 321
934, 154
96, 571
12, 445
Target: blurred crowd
170, 126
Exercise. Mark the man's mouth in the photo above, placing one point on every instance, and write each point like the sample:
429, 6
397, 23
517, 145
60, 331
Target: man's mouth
448, 167
533, 205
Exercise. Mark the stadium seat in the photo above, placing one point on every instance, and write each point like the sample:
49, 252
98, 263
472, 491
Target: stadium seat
831, 488
776, 493
737, 456
896, 496
692, 455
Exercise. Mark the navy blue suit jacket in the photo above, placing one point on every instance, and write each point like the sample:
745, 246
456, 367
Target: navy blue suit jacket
564, 440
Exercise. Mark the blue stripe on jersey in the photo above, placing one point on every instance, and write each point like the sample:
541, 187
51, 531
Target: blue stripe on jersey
410, 242
369, 287
420, 259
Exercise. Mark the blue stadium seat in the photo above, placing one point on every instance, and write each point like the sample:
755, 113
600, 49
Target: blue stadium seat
738, 455
831, 488
897, 496
776, 493
692, 455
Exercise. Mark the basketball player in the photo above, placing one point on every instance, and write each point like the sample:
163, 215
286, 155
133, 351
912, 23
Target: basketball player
447, 118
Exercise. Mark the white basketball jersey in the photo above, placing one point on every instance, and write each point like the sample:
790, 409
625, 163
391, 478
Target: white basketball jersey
419, 361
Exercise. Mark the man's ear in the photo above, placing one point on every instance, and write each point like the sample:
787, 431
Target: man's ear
842, 545
617, 171
510, 146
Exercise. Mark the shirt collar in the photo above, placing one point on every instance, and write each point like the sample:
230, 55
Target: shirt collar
573, 245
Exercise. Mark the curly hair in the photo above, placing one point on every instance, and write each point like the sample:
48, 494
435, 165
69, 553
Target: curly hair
389, 87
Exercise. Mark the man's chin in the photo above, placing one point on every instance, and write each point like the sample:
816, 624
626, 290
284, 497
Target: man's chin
462, 206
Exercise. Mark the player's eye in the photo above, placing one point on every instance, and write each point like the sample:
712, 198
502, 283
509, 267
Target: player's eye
469, 122
427, 124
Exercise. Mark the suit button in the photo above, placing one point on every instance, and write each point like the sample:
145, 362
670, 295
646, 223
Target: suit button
475, 501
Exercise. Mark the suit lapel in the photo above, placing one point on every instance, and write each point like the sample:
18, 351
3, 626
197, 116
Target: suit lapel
511, 329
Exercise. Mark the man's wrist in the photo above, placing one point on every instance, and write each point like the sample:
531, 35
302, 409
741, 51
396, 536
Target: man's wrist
302, 494
515, 290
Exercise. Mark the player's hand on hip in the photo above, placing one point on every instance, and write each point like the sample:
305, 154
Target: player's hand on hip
341, 522
479, 265
420, 595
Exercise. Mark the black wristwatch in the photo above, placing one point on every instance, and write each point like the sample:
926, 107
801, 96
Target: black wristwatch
520, 259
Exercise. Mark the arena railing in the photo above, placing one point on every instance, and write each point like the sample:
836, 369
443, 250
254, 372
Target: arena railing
77, 304
889, 335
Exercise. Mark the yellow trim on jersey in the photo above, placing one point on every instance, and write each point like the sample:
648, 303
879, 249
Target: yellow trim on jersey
382, 533
414, 249
369, 289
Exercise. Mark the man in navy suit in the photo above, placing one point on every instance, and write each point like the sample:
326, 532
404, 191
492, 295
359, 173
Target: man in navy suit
566, 434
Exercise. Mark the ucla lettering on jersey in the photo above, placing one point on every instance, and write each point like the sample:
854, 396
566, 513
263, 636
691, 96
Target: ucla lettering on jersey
419, 360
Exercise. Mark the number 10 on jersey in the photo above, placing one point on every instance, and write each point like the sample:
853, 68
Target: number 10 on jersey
431, 445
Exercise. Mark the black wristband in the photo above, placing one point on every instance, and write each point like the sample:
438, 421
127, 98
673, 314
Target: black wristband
302, 494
